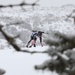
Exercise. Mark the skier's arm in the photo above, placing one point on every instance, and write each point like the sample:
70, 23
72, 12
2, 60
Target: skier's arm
45, 32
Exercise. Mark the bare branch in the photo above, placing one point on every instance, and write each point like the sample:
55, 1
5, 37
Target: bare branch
10, 40
21, 4
2, 71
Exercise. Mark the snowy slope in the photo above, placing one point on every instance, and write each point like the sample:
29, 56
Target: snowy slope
45, 19
21, 63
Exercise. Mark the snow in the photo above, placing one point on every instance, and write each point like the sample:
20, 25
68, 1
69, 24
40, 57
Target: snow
17, 63
37, 48
20, 63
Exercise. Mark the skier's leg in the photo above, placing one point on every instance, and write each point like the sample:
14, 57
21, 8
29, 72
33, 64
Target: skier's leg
32, 43
41, 41
28, 42
35, 42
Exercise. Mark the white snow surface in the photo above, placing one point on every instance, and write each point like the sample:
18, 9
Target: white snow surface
37, 48
18, 63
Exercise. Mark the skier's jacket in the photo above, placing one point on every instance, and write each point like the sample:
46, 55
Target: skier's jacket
36, 34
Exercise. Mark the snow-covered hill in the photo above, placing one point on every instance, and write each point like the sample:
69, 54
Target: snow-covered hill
46, 19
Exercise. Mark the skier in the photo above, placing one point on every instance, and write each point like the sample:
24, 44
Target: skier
33, 38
